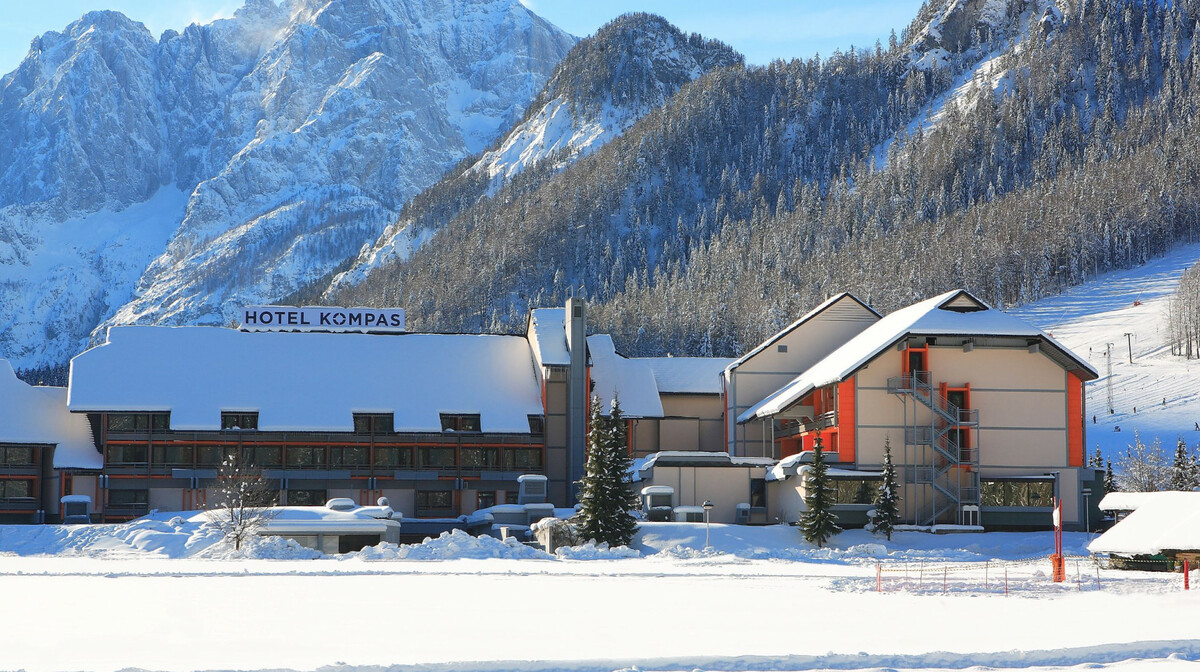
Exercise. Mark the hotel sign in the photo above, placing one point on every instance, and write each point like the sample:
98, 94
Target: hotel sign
323, 318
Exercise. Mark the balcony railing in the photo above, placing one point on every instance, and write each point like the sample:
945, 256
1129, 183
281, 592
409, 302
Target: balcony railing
789, 427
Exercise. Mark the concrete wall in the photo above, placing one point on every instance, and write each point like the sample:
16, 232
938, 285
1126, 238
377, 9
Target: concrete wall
726, 487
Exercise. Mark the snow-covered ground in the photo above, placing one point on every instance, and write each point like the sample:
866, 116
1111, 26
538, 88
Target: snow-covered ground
1158, 395
162, 595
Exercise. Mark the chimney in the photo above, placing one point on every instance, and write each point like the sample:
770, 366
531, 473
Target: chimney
577, 392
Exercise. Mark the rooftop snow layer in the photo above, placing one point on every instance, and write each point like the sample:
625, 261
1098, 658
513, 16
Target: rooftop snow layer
929, 317
687, 375
31, 414
1163, 521
1123, 501
630, 380
548, 336
308, 381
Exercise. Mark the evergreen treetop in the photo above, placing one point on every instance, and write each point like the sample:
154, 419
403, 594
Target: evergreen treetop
606, 495
819, 523
887, 509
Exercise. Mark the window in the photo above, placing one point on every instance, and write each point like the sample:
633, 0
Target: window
1017, 492
523, 459
437, 456
512, 496
537, 425
393, 456
208, 456
855, 490
485, 499
758, 493
263, 456
435, 501
135, 454
350, 456
172, 454
305, 457
138, 422
782, 348
239, 420
306, 497
128, 498
16, 488
17, 456
480, 458
374, 423
458, 422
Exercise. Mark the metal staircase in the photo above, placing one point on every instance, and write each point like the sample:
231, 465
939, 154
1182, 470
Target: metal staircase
949, 469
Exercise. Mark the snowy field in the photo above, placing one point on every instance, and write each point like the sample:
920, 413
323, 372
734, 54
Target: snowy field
1158, 395
164, 595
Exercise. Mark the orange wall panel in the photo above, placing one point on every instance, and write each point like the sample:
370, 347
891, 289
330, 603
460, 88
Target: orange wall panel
1074, 420
846, 421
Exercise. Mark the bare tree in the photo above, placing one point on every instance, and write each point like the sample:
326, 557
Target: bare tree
244, 500
1143, 468
1183, 315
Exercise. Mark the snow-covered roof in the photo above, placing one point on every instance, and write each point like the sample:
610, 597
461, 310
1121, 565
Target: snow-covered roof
1123, 501
548, 336
30, 414
631, 380
792, 327
687, 375
698, 458
800, 462
938, 316
1163, 521
308, 381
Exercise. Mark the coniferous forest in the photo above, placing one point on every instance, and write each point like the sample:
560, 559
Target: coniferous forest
1014, 158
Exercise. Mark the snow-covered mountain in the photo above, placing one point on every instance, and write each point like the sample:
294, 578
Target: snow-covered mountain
174, 180
632, 65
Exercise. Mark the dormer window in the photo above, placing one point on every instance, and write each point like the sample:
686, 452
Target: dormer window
239, 419
374, 423
537, 425
460, 422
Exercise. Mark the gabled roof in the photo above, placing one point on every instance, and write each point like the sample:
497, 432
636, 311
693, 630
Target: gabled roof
308, 381
31, 414
630, 380
1163, 521
687, 375
548, 336
953, 313
810, 315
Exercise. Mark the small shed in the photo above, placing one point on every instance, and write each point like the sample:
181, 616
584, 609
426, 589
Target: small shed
1164, 526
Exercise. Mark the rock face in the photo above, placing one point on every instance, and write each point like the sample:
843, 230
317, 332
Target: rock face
632, 65
173, 181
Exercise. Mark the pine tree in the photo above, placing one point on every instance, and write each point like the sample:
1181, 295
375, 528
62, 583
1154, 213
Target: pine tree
887, 512
1110, 482
606, 494
819, 522
1182, 474
1097, 461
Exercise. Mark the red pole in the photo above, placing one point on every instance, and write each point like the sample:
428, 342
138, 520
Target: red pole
1186, 581
878, 578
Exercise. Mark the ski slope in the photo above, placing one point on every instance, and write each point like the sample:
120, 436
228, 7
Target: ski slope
1157, 394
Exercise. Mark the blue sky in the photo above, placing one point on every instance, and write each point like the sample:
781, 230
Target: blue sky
761, 29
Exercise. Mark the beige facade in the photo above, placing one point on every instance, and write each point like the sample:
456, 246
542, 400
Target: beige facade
725, 486
778, 360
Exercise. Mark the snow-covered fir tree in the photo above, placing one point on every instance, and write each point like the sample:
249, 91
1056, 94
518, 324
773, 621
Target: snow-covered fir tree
887, 510
606, 495
1097, 461
1110, 481
1183, 469
818, 523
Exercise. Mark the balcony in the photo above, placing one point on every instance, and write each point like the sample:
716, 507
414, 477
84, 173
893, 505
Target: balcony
791, 427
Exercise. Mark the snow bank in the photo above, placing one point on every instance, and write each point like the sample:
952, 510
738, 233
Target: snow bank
453, 545
594, 551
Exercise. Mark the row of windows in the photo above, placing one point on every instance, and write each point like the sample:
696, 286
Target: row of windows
1016, 493
18, 456
333, 457
16, 488
364, 423
427, 500
855, 490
